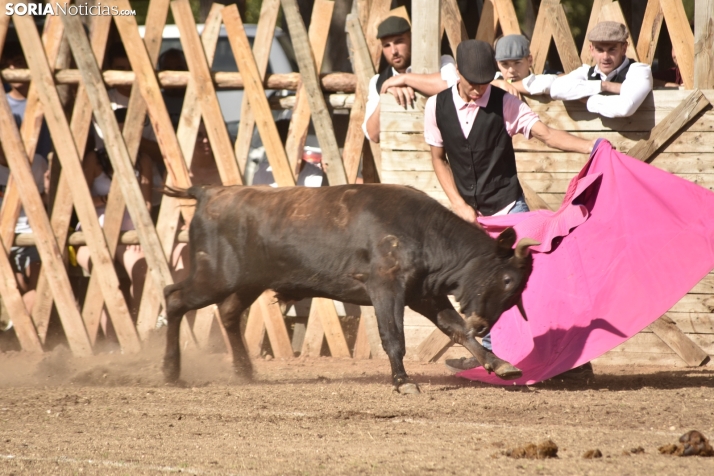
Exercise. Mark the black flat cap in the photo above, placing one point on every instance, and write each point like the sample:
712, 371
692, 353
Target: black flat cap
475, 61
393, 26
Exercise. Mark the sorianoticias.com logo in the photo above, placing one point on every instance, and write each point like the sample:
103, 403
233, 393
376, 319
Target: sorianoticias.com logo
57, 8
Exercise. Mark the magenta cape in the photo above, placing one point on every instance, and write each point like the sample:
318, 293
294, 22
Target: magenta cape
629, 241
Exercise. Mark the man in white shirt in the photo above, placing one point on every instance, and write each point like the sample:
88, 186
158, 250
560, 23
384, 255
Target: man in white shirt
616, 85
397, 78
514, 60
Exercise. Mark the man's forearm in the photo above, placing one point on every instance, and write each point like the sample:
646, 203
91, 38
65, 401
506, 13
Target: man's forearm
562, 140
445, 176
427, 84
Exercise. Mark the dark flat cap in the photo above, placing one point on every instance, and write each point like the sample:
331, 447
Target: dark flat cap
608, 32
512, 47
393, 26
475, 61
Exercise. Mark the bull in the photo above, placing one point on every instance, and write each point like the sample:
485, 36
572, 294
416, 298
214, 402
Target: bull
387, 246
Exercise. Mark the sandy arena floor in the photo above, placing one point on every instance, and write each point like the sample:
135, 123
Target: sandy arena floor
112, 414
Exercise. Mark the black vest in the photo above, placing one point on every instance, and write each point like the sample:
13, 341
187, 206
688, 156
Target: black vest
484, 164
386, 73
619, 77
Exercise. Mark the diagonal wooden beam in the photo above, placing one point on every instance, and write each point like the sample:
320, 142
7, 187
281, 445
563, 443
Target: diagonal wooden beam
542, 34
132, 134
71, 163
299, 123
324, 129
682, 38
680, 116
262, 42
488, 22
649, 32
453, 24
564, 42
256, 95
666, 329
507, 17
378, 11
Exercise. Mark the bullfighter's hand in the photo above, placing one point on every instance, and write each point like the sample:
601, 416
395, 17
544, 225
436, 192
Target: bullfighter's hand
467, 213
404, 96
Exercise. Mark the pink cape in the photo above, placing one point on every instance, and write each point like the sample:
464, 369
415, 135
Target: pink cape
629, 241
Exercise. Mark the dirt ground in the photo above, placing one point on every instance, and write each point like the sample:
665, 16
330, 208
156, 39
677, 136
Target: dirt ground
112, 414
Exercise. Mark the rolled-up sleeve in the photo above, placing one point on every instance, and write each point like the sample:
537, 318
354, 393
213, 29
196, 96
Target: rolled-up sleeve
432, 135
448, 70
517, 116
574, 85
372, 103
635, 88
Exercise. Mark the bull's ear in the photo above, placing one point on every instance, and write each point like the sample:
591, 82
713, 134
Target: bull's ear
505, 242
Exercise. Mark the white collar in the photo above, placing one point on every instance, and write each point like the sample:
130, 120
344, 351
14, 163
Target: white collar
613, 73
396, 73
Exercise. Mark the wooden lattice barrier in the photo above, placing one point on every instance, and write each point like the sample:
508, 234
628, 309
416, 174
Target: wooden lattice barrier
681, 142
51, 230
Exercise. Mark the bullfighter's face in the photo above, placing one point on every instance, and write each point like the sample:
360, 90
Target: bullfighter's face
492, 287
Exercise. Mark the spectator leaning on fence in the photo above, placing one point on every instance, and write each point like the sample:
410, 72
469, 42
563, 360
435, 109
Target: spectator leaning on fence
25, 260
98, 173
397, 78
514, 60
616, 85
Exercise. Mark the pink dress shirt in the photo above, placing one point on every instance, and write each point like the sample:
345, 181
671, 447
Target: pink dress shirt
517, 116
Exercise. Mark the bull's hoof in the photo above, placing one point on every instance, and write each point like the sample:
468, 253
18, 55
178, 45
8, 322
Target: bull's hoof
408, 388
172, 371
506, 371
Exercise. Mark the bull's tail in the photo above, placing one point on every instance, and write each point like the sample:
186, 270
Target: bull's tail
193, 193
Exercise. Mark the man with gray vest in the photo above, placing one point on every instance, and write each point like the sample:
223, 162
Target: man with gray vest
469, 128
397, 79
616, 85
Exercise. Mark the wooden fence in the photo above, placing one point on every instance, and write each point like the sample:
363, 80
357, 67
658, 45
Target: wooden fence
681, 143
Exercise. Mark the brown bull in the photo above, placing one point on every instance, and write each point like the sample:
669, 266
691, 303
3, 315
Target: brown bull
387, 246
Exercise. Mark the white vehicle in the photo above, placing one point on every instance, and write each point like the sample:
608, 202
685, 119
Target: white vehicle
280, 61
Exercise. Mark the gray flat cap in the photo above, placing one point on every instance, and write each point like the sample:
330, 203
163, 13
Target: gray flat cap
393, 26
475, 61
608, 32
512, 47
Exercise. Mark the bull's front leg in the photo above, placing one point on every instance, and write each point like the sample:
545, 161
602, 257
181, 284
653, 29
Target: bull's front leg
440, 311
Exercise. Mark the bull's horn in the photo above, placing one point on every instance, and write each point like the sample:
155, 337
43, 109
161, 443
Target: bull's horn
519, 304
522, 247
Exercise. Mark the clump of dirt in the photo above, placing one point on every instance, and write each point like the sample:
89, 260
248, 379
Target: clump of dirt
692, 443
543, 450
592, 454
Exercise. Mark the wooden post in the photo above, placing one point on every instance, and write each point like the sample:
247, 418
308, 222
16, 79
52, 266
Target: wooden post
704, 44
649, 32
201, 76
300, 121
682, 38
453, 24
262, 43
563, 39
331, 160
542, 34
378, 11
488, 22
256, 95
427, 44
507, 17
